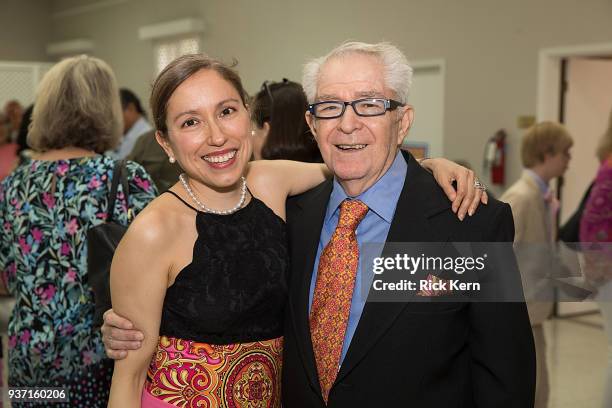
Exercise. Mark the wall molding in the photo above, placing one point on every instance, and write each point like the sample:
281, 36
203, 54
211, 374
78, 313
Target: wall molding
171, 28
87, 8
70, 47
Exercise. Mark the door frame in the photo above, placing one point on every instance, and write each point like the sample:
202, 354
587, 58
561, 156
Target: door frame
439, 65
548, 95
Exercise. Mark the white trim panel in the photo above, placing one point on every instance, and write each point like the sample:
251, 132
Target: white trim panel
87, 8
171, 28
70, 47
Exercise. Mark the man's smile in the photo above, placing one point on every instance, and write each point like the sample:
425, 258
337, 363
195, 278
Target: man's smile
348, 147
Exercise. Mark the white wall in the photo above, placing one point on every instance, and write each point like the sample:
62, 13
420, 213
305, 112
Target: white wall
427, 95
25, 28
490, 47
114, 32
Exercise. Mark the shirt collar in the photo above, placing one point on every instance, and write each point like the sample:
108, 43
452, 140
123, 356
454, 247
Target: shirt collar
139, 127
381, 197
542, 185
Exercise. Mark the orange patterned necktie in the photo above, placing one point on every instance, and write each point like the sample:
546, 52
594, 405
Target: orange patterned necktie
333, 292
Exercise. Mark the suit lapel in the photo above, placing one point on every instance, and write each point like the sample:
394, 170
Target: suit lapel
417, 202
306, 232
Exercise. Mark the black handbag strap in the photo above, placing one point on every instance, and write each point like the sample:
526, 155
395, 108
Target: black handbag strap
119, 176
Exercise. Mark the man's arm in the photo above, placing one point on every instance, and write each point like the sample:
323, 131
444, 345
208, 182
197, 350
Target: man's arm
501, 342
119, 336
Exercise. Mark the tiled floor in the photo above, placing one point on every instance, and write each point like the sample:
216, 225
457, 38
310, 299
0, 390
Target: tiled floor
577, 359
577, 356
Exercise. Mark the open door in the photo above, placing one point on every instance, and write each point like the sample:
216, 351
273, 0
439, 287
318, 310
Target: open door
586, 102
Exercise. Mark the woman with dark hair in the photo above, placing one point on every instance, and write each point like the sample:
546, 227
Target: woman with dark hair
22, 136
47, 205
281, 130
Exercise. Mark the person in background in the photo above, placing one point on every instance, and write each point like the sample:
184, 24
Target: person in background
281, 131
134, 123
13, 112
8, 150
46, 207
22, 136
148, 153
596, 238
545, 156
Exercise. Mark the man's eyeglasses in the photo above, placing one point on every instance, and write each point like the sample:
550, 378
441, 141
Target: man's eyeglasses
362, 107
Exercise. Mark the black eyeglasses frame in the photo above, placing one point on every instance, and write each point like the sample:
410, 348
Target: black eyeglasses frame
390, 104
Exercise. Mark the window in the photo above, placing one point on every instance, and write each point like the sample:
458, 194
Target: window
168, 50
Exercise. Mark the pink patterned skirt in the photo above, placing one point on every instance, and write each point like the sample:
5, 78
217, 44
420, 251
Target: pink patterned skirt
188, 374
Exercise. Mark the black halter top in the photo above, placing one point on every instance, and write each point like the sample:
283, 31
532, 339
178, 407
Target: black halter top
235, 289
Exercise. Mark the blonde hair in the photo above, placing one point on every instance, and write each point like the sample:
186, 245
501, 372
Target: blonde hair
604, 147
541, 139
77, 105
398, 72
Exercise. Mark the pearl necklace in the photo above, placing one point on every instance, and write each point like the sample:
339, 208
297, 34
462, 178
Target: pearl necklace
210, 210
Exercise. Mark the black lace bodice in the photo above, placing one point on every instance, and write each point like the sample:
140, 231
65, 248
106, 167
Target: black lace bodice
234, 291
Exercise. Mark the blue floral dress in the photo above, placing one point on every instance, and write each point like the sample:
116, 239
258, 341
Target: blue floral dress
46, 208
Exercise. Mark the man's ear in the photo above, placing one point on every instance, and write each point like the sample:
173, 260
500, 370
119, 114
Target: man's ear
163, 142
405, 122
311, 121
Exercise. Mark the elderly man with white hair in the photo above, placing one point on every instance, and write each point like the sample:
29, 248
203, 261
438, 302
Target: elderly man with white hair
343, 350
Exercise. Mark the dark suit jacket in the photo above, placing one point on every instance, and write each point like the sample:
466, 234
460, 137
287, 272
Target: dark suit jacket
412, 354
152, 157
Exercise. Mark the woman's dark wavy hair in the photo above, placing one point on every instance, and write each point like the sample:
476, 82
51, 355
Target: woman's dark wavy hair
283, 105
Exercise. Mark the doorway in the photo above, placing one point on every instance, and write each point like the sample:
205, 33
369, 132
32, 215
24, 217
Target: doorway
575, 88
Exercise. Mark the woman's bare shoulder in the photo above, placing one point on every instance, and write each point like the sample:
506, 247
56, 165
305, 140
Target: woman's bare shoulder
163, 218
266, 181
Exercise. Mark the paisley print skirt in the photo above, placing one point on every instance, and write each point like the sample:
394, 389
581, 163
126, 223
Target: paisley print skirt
188, 374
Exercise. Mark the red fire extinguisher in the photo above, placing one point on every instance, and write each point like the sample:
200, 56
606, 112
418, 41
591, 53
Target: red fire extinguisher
495, 157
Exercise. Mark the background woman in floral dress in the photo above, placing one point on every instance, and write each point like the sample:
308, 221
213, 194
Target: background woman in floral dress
46, 208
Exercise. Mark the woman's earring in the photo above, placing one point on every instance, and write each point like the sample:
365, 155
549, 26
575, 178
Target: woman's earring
172, 160
252, 132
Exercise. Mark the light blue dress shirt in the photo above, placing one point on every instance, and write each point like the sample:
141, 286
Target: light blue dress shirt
381, 200
544, 187
140, 127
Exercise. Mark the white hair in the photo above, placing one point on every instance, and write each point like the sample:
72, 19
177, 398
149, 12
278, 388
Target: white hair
398, 72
